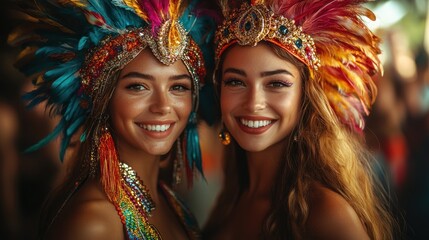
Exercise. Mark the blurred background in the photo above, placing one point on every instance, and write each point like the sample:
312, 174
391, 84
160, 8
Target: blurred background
397, 130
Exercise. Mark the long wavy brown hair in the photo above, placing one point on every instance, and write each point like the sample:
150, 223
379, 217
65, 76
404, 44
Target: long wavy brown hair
325, 151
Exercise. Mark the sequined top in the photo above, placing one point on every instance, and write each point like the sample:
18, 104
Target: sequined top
134, 207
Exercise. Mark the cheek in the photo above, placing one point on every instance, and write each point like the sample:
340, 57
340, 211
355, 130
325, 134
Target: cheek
227, 102
126, 106
183, 105
289, 107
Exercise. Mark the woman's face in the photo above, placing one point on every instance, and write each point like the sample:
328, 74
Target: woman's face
260, 96
151, 104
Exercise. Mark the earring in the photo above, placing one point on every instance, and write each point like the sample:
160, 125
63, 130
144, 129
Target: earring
295, 138
109, 163
224, 137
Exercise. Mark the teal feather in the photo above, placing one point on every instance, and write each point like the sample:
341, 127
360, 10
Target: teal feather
52, 50
193, 150
64, 80
46, 139
74, 126
72, 109
121, 4
36, 101
83, 43
83, 137
201, 28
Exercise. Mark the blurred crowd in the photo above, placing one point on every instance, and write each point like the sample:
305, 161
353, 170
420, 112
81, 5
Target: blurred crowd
397, 132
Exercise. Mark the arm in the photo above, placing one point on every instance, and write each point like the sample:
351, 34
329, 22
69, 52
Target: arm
332, 217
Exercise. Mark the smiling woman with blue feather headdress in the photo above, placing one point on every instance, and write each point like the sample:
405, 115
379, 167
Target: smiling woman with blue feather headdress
124, 77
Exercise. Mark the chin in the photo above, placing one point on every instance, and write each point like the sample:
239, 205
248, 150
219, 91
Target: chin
251, 147
157, 152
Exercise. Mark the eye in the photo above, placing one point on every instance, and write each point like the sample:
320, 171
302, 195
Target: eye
180, 88
136, 87
233, 82
279, 84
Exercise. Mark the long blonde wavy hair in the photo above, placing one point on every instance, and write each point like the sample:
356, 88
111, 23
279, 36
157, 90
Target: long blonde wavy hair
326, 152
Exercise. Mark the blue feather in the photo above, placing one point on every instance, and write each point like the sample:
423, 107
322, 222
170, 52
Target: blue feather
193, 150
65, 79
83, 43
48, 50
83, 137
75, 125
46, 139
72, 109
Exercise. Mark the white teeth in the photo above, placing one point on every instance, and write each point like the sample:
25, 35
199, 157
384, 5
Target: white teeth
156, 128
255, 124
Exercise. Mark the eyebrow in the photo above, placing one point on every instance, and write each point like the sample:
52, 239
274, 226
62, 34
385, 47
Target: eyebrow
263, 74
275, 72
150, 77
235, 70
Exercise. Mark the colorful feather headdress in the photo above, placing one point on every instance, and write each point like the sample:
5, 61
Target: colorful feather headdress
74, 46
329, 36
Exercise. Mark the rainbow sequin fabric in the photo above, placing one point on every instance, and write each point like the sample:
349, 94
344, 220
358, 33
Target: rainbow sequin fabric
135, 206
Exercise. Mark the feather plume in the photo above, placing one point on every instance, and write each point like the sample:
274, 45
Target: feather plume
347, 50
154, 12
77, 3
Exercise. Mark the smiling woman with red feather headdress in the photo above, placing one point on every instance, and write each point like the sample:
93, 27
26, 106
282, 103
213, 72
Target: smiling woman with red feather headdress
296, 80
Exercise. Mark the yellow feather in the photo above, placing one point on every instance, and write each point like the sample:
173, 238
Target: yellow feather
173, 36
174, 8
134, 5
77, 3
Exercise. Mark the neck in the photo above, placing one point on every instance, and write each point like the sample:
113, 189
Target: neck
263, 167
145, 165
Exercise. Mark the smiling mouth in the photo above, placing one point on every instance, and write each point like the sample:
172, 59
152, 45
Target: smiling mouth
255, 123
155, 128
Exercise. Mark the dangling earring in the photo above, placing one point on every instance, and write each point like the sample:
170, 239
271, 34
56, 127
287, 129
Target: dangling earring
109, 163
178, 164
224, 136
295, 138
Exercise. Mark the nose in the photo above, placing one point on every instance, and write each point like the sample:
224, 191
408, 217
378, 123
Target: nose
161, 103
255, 99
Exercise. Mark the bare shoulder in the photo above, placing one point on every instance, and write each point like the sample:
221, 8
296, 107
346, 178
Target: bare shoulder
331, 216
88, 215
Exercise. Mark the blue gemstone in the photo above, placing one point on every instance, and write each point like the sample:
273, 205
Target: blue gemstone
119, 48
247, 26
298, 43
283, 30
225, 32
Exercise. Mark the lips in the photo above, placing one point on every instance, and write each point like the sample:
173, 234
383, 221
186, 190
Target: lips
254, 125
157, 129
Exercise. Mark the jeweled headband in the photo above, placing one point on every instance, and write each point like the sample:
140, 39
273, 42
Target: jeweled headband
73, 47
249, 25
115, 52
328, 36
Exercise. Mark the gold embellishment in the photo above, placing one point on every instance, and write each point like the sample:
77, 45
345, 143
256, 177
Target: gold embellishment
114, 52
171, 44
251, 24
